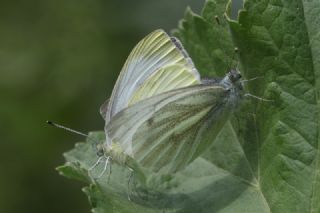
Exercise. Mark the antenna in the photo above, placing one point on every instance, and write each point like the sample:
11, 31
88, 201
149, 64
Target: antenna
66, 128
73, 131
236, 50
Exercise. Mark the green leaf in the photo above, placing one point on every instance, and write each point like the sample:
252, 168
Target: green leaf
275, 42
312, 21
277, 151
207, 41
266, 158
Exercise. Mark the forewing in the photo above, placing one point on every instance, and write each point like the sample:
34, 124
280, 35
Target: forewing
165, 79
155, 51
167, 131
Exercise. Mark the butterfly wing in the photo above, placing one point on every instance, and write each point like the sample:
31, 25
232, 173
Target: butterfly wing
154, 52
169, 130
104, 108
165, 79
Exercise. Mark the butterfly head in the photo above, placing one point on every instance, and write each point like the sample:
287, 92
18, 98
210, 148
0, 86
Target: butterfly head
234, 76
234, 87
232, 80
99, 150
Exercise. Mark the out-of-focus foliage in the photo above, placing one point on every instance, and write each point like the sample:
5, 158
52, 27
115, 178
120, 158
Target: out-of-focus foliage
59, 60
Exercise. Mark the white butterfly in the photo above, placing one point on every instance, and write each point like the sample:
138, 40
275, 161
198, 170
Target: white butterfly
160, 113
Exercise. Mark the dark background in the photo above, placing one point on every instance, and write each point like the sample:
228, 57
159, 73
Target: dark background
59, 60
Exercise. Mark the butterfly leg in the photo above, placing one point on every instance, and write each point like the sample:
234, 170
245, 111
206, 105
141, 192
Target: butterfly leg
104, 167
256, 97
129, 181
94, 166
251, 79
110, 168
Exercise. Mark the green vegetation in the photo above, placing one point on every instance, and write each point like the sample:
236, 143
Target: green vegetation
266, 159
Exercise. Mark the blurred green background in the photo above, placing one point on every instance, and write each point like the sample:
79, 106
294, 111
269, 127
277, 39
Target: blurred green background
59, 60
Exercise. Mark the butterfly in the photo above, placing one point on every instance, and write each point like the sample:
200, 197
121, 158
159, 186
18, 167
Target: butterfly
161, 114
